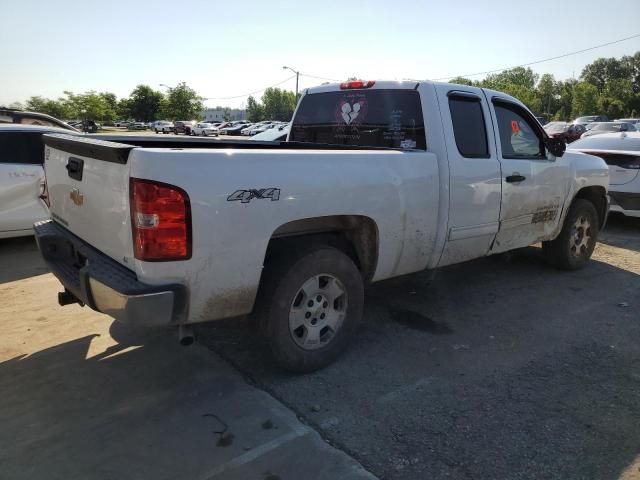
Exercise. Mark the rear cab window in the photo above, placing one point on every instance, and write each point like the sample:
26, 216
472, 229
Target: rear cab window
21, 148
387, 118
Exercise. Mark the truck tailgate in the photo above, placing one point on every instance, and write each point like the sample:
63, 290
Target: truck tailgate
88, 183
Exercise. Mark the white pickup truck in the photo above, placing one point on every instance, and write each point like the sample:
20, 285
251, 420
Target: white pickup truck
376, 180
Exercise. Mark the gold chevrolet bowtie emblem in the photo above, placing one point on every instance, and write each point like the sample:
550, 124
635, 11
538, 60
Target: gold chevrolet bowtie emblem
76, 197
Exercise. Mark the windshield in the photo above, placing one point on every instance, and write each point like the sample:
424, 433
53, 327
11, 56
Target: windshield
370, 118
556, 127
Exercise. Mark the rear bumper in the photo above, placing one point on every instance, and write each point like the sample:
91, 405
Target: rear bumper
98, 281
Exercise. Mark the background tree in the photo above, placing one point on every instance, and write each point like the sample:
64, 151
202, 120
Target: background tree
255, 111
183, 103
585, 99
462, 81
278, 104
144, 103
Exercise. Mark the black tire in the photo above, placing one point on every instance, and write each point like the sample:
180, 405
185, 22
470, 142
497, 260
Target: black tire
282, 281
573, 248
156, 131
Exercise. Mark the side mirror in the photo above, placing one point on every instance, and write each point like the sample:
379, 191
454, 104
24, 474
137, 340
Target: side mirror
556, 146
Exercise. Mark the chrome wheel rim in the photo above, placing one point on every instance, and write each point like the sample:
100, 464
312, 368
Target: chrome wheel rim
580, 237
317, 311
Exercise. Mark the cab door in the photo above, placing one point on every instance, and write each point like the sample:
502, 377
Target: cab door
474, 173
534, 183
21, 181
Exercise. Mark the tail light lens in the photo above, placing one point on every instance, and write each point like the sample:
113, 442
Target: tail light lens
354, 84
160, 221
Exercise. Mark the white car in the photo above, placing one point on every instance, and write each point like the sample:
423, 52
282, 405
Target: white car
163, 126
276, 134
252, 129
22, 180
378, 179
204, 129
608, 127
621, 151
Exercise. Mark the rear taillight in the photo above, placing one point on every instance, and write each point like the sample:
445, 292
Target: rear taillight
160, 221
353, 84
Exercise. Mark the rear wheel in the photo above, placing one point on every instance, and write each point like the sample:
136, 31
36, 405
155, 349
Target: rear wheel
311, 303
204, 133
577, 240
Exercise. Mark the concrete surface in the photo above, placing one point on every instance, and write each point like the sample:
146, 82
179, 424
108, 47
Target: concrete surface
82, 397
503, 368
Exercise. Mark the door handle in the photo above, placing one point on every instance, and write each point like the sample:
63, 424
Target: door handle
515, 178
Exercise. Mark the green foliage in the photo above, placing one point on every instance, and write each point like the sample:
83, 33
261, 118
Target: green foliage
278, 104
144, 104
585, 99
463, 81
183, 103
255, 111
608, 86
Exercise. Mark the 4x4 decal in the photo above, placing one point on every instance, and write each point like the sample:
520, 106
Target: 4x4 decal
245, 196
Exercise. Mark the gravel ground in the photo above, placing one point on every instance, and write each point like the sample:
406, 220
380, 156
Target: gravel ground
500, 368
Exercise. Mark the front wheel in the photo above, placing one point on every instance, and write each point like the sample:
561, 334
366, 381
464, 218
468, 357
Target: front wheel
312, 304
573, 248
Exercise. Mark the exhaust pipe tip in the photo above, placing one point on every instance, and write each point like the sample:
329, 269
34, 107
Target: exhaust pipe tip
186, 336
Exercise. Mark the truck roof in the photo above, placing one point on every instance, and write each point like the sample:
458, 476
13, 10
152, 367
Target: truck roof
411, 85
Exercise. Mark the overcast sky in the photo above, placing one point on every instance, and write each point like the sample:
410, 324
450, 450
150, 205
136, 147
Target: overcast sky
225, 49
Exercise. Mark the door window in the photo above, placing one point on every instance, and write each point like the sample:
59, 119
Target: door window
468, 126
519, 137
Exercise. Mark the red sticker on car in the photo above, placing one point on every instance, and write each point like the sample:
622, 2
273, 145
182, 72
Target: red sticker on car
515, 126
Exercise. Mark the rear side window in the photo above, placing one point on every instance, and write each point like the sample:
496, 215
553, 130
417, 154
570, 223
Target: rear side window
468, 126
21, 147
388, 118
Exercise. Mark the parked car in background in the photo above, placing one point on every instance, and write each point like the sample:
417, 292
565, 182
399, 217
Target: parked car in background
591, 119
569, 132
250, 129
8, 115
163, 126
183, 127
264, 128
122, 123
137, 126
608, 127
236, 129
22, 180
621, 151
204, 129
634, 121
276, 134
542, 119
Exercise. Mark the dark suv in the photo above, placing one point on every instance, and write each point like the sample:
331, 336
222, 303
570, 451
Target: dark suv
182, 127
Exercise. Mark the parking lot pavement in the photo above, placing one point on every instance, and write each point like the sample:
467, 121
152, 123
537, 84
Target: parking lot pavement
83, 397
501, 368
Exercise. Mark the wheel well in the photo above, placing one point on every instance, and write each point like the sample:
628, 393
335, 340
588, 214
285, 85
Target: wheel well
355, 235
598, 197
